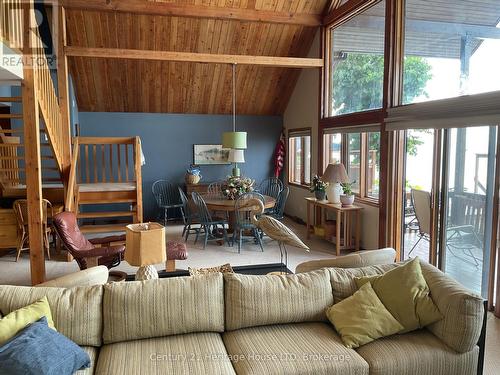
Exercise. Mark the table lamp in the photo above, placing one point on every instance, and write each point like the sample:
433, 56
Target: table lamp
236, 156
145, 247
335, 174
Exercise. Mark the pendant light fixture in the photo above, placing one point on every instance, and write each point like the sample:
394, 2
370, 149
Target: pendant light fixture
234, 139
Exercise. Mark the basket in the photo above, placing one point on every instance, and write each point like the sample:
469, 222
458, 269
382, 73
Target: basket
192, 179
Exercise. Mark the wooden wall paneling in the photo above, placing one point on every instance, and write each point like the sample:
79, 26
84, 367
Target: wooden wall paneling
32, 157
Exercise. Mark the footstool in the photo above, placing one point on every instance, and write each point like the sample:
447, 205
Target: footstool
175, 251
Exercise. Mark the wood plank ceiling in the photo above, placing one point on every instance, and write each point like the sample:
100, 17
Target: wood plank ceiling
109, 85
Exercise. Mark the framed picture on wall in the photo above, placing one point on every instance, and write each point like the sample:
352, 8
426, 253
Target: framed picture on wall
210, 155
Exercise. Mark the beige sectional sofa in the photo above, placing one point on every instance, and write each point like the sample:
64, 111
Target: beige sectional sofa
242, 324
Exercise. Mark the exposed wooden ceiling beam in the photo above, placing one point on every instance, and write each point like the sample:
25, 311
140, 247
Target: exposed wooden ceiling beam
135, 54
197, 11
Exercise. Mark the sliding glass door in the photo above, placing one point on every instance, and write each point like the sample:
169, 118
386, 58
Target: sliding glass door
467, 203
448, 205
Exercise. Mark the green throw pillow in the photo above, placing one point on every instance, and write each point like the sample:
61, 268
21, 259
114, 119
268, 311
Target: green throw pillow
362, 318
404, 292
17, 320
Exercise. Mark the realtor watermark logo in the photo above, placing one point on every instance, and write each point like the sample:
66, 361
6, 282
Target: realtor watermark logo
40, 48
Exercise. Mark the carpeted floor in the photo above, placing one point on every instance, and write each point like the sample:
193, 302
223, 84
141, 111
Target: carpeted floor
19, 274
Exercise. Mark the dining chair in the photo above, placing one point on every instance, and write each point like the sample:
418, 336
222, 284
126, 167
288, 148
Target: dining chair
243, 222
167, 198
279, 208
191, 217
20, 207
215, 188
271, 187
208, 224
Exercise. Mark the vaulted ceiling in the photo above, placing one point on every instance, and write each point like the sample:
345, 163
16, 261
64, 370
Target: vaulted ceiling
120, 85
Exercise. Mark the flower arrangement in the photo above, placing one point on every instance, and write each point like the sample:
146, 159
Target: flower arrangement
233, 187
318, 187
318, 184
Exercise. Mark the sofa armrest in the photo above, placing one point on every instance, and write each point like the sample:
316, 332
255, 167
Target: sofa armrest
462, 310
353, 260
90, 276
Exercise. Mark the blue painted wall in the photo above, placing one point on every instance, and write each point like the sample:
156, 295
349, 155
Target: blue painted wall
167, 141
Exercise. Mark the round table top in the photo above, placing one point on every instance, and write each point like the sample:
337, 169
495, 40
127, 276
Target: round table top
223, 204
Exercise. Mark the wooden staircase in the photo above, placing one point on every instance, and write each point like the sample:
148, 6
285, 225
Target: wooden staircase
105, 183
12, 163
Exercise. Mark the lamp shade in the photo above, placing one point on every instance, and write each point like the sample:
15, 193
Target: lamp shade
236, 140
145, 244
236, 156
335, 173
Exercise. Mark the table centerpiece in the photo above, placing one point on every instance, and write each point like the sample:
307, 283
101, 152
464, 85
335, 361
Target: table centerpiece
233, 187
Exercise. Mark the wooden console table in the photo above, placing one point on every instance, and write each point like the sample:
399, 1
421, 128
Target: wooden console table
344, 217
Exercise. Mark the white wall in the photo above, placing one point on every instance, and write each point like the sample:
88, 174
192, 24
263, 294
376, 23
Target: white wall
302, 112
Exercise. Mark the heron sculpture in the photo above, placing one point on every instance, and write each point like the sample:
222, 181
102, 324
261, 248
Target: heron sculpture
275, 230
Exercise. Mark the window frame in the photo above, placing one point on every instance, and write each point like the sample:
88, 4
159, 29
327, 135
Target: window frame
361, 196
290, 160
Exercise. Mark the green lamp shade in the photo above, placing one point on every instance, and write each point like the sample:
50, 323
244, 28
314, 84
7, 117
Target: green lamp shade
236, 140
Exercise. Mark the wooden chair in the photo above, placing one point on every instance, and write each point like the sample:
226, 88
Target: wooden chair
278, 211
21, 211
215, 188
208, 223
271, 187
167, 198
190, 216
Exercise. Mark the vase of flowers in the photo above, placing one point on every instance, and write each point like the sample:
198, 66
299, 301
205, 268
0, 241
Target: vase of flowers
318, 187
233, 187
347, 198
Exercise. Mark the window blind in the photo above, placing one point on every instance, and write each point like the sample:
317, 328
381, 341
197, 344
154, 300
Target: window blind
460, 112
366, 128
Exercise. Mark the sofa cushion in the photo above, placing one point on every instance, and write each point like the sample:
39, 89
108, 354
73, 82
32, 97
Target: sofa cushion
342, 279
275, 299
303, 348
77, 312
353, 260
362, 318
154, 308
418, 352
404, 292
194, 353
93, 353
462, 310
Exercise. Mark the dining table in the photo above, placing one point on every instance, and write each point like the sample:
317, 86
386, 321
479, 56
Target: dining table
219, 203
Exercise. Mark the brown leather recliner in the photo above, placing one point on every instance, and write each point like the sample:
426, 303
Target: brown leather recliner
84, 250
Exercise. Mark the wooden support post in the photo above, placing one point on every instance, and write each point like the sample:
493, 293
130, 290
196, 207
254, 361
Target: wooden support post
138, 179
63, 92
32, 157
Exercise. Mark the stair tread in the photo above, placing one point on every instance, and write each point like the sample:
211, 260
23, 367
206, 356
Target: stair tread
89, 215
105, 228
11, 98
107, 201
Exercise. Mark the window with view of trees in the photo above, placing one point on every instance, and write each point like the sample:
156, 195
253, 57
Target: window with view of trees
299, 157
360, 153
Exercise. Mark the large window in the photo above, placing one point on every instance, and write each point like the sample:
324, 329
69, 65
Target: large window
357, 63
451, 49
299, 157
360, 153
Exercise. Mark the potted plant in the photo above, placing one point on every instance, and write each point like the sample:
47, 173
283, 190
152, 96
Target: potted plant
318, 187
347, 198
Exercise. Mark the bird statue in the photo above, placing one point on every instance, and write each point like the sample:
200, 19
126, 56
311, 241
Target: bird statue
275, 230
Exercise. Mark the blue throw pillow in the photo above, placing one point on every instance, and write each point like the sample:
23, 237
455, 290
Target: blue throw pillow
40, 350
